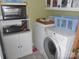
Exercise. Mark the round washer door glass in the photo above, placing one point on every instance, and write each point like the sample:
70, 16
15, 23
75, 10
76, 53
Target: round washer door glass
50, 48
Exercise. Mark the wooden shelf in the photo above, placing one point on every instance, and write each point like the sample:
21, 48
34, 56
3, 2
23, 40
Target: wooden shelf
12, 3
62, 9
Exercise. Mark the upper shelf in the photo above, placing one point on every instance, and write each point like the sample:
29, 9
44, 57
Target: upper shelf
2, 3
62, 9
64, 5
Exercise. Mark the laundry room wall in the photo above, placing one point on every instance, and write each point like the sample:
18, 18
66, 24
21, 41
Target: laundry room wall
36, 10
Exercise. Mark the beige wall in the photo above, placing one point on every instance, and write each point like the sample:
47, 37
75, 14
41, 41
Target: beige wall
36, 10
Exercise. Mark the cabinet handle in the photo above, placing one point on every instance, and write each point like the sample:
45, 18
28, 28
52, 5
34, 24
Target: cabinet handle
18, 46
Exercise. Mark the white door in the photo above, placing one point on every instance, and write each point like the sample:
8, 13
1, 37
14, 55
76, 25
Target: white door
11, 44
26, 43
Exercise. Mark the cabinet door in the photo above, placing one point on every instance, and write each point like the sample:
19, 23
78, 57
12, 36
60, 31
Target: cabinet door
26, 41
11, 44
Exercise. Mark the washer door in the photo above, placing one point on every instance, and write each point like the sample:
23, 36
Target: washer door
51, 48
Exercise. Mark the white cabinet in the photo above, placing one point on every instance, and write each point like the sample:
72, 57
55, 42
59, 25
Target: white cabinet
65, 5
18, 45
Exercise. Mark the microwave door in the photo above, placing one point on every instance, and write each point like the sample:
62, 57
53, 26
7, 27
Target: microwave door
13, 12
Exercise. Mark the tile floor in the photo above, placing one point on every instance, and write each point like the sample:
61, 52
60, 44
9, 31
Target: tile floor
36, 55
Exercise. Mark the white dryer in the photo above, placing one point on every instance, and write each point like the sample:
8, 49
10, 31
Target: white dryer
57, 44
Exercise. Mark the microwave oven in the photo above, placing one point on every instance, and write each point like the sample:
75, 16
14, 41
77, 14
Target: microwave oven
12, 12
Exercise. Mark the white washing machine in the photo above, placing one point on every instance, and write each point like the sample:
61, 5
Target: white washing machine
57, 44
